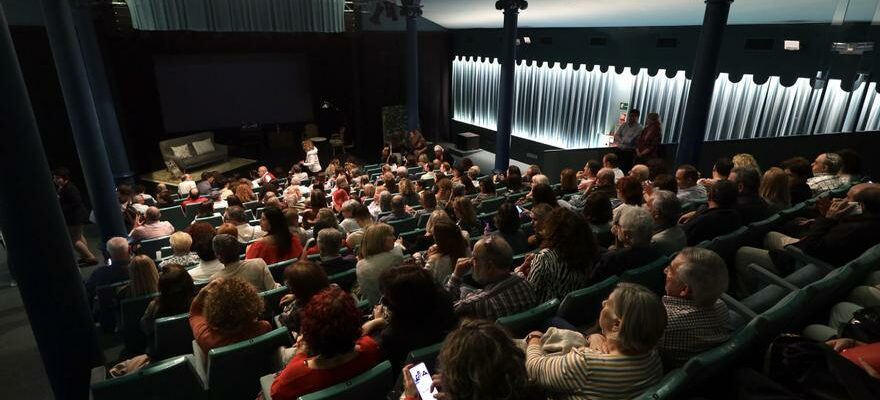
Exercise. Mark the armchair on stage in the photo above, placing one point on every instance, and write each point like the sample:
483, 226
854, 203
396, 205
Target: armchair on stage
193, 150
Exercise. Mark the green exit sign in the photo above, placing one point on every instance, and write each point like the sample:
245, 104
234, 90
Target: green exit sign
624, 106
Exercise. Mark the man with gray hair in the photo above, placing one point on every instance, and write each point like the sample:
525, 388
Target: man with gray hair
236, 215
665, 208
633, 245
254, 271
503, 293
825, 169
697, 317
150, 227
349, 223
116, 269
329, 243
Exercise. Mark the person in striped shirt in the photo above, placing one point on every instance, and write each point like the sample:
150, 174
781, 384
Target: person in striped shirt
620, 363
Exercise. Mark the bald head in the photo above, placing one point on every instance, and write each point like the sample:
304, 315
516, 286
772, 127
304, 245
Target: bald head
640, 171
868, 194
605, 177
153, 214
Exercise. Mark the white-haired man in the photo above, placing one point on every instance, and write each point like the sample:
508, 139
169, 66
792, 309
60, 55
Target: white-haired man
633, 232
697, 317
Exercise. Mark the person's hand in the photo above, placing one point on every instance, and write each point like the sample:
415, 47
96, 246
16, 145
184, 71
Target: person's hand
286, 299
534, 337
409, 387
839, 208
433, 250
868, 368
598, 343
526, 266
436, 383
841, 344
378, 311
463, 266
686, 217
301, 346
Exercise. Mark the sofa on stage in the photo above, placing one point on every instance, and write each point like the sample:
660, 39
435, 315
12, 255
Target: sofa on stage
193, 150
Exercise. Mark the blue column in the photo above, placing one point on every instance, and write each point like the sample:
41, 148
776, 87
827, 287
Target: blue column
83, 117
40, 254
412, 11
103, 97
696, 113
508, 64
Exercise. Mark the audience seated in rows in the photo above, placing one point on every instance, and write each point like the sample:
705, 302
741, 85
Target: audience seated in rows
253, 271
329, 244
379, 252
247, 233
116, 269
717, 219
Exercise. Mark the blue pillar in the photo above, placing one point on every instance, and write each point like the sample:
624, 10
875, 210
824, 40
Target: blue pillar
40, 254
103, 97
508, 64
412, 11
83, 117
696, 113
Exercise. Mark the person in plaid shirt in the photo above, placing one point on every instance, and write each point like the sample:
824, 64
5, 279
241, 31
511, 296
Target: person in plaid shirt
697, 317
503, 293
825, 169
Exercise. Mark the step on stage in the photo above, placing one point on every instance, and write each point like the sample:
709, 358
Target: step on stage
231, 164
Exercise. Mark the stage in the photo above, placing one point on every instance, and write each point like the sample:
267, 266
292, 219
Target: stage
163, 176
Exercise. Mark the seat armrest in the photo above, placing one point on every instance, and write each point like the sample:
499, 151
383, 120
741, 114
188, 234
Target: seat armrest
804, 258
199, 361
738, 307
771, 277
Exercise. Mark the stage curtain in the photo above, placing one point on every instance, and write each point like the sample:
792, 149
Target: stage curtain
869, 120
238, 15
662, 95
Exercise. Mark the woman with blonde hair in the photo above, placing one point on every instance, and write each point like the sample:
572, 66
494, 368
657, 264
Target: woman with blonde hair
181, 244
379, 252
621, 362
312, 164
143, 278
775, 189
746, 160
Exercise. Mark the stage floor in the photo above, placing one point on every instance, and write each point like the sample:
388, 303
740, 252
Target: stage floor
163, 176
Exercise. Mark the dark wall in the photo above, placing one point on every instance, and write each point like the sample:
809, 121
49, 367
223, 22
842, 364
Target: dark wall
522, 150
638, 47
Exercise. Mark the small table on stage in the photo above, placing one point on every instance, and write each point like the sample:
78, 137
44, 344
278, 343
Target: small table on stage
324, 150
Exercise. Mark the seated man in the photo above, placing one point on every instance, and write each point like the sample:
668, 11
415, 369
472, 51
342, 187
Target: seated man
689, 191
633, 231
848, 228
329, 243
253, 271
503, 293
697, 317
604, 183
193, 198
237, 216
206, 185
825, 177
665, 208
150, 227
187, 184
115, 271
718, 218
398, 210
749, 204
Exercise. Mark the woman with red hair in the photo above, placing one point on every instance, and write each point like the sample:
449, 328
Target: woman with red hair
331, 348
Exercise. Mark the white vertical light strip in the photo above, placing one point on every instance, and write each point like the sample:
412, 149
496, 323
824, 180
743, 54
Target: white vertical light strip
876, 19
839, 15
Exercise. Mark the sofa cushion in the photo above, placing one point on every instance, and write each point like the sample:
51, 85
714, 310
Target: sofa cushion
203, 146
181, 151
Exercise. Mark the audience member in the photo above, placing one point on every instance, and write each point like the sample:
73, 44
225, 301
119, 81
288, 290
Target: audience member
507, 223
247, 233
633, 249
825, 169
187, 184
640, 172
598, 213
620, 362
565, 262
467, 216
304, 279
75, 215
538, 214
697, 317
379, 252
206, 185
568, 183
487, 191
750, 206
224, 312
415, 312
629, 192
181, 243
648, 141
253, 271
364, 219
340, 193
278, 244
408, 191
668, 236
116, 269
798, 171
292, 218
610, 161
588, 175
686, 180
398, 210
746, 160
503, 293
775, 189
194, 198
718, 218
329, 244
449, 245
202, 234
143, 278
850, 166
176, 292
150, 226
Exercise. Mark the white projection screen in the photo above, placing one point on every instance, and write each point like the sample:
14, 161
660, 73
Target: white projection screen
202, 92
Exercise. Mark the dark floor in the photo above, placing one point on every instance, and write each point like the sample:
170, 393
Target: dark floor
21, 370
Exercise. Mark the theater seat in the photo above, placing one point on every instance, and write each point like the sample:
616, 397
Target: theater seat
581, 307
490, 205
373, 384
271, 299
172, 337
345, 280
174, 378
150, 247
404, 225
214, 220
650, 276
277, 269
536, 318
131, 311
175, 216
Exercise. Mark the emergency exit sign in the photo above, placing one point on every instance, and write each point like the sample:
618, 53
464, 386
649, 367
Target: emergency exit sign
624, 106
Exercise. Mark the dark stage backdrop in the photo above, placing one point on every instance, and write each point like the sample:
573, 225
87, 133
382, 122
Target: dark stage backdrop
209, 91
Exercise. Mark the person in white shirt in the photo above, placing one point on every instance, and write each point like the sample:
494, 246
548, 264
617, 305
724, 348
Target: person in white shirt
296, 173
312, 163
689, 191
137, 202
246, 233
610, 161
150, 227
627, 133
186, 184
208, 263
349, 223
254, 270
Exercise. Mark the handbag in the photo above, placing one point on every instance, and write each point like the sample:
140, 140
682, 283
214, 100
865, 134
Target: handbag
864, 326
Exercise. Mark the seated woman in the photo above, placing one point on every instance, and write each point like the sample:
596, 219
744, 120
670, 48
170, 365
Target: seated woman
378, 253
181, 242
598, 212
487, 191
330, 348
278, 244
408, 191
317, 201
507, 224
566, 259
176, 292
568, 182
415, 312
479, 361
449, 246
226, 311
143, 278
467, 216
304, 279
621, 362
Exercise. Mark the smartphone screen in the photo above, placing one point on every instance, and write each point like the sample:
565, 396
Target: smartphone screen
519, 209
422, 378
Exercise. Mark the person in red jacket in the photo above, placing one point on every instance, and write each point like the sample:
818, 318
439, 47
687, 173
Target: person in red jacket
278, 244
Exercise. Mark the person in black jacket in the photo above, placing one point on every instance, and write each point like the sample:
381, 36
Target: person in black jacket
749, 204
75, 215
718, 219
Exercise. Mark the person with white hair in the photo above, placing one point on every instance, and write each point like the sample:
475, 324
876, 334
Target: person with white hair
349, 223
441, 155
633, 249
186, 184
665, 208
698, 318
825, 177
474, 173
116, 269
